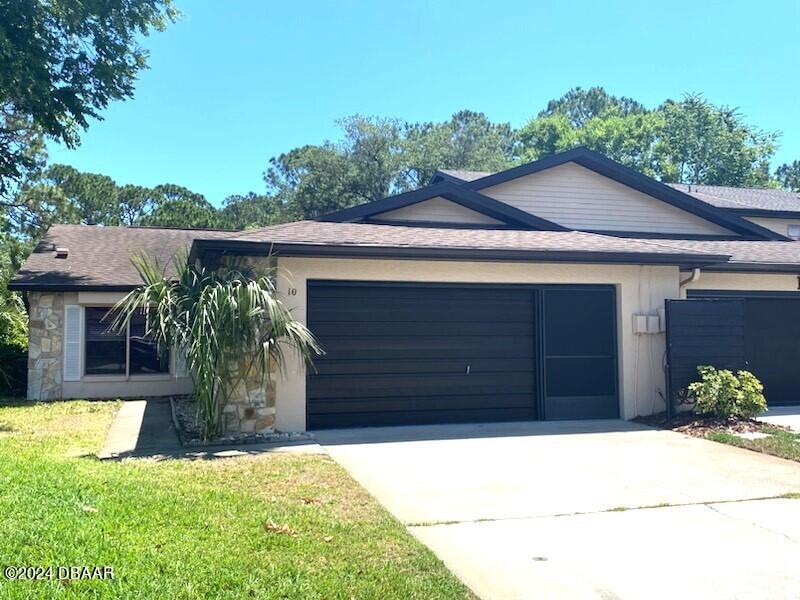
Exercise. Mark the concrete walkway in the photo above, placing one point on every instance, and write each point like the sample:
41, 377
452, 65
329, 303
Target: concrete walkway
788, 416
141, 427
144, 428
557, 510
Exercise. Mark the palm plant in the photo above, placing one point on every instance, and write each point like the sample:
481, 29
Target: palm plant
216, 319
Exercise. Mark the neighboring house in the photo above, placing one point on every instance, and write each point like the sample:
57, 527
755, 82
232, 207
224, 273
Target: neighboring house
533, 293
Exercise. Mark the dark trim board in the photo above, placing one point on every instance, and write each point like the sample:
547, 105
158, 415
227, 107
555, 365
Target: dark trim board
742, 267
762, 212
742, 294
397, 352
676, 236
22, 286
202, 248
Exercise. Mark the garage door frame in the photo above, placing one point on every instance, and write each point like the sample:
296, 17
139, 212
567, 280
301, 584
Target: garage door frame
537, 317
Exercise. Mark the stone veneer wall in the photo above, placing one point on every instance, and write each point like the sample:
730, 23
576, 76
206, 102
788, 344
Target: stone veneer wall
251, 407
45, 345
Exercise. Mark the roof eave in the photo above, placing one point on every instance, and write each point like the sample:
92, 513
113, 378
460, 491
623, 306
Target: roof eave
245, 247
29, 286
763, 212
754, 267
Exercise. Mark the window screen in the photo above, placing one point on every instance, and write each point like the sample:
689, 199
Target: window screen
105, 350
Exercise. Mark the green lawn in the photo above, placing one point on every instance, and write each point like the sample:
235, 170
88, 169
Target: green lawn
785, 444
272, 526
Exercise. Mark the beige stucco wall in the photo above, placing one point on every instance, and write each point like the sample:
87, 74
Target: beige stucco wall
742, 281
640, 289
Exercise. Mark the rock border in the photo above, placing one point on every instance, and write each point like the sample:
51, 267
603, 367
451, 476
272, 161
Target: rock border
191, 439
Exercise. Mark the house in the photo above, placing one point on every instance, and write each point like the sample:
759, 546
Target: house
557, 289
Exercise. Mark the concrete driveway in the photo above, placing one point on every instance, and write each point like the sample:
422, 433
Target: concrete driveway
788, 416
604, 509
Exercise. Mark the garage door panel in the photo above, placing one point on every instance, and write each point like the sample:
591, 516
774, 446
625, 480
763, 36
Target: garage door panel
398, 291
337, 386
438, 328
400, 354
516, 364
438, 402
460, 346
388, 418
359, 310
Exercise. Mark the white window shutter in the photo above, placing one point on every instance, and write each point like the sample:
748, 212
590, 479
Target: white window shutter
72, 342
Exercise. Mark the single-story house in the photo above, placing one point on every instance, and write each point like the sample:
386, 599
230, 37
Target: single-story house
571, 287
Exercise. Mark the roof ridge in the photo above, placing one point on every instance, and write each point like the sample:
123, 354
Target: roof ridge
145, 227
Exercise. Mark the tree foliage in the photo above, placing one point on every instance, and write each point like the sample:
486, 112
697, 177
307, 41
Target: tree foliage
377, 157
61, 63
690, 140
788, 175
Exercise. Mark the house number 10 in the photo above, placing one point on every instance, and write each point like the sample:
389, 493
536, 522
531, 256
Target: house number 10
292, 291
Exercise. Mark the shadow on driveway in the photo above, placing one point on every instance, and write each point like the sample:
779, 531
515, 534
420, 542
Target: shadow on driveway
413, 433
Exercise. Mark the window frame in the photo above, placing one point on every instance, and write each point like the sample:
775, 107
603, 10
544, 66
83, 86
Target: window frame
127, 376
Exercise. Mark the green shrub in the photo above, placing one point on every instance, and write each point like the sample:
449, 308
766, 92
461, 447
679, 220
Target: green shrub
722, 393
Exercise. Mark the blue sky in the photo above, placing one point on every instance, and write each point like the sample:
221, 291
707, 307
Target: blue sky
235, 83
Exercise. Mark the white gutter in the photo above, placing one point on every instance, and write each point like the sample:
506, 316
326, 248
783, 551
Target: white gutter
694, 277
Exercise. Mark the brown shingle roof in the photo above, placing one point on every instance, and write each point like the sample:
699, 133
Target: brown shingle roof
741, 198
101, 256
396, 236
745, 252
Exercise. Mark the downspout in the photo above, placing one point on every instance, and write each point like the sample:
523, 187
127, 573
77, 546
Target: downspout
694, 277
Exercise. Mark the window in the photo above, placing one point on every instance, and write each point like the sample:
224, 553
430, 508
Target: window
144, 356
111, 353
105, 350
794, 232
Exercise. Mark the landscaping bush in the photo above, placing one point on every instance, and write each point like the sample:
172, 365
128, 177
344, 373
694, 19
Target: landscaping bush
721, 393
13, 346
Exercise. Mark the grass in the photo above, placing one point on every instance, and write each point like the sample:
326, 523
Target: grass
785, 444
270, 526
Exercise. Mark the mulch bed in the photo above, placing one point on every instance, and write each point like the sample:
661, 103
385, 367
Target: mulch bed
700, 426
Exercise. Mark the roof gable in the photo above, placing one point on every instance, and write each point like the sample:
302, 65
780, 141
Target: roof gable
437, 210
584, 200
628, 177
458, 194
